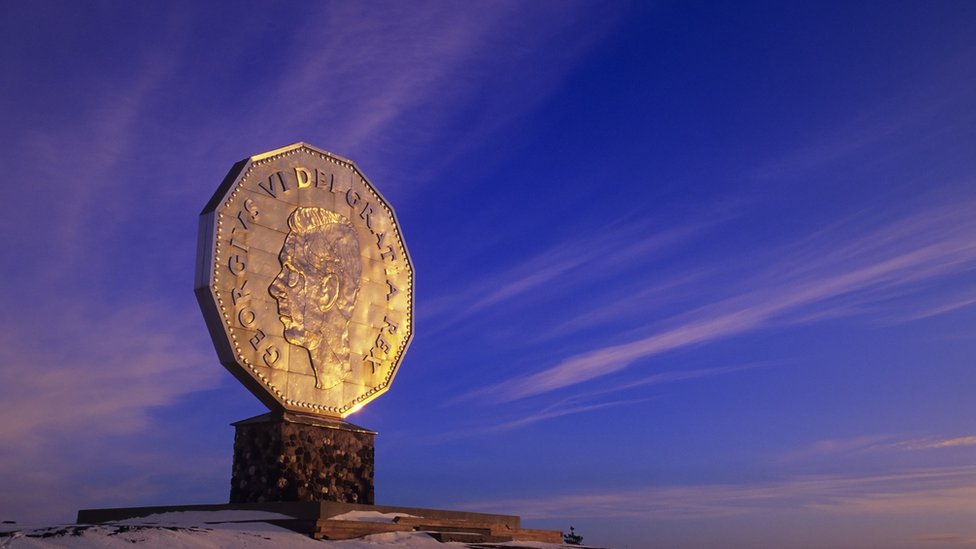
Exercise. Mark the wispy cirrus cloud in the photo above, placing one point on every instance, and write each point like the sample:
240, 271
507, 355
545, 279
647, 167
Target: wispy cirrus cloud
834, 446
946, 539
531, 413
104, 372
953, 303
76, 164
73, 402
556, 410
878, 443
631, 300
400, 91
905, 492
580, 261
886, 122
937, 443
592, 400
826, 275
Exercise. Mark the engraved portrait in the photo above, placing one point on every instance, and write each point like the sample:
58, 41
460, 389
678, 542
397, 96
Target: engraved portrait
316, 290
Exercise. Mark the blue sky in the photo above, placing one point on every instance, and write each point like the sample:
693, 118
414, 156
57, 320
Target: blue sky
696, 274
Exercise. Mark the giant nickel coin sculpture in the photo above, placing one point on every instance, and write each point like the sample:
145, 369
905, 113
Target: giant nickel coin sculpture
305, 281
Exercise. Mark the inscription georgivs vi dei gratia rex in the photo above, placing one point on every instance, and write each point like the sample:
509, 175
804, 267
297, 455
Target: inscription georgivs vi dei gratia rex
305, 281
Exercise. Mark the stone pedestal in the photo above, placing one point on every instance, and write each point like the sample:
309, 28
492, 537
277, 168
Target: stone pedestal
293, 458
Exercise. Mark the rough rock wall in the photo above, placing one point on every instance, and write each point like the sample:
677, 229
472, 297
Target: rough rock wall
279, 460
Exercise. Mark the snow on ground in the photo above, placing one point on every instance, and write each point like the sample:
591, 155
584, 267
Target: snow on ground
210, 530
202, 530
370, 516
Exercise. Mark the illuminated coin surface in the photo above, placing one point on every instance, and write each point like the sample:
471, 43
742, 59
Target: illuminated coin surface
305, 281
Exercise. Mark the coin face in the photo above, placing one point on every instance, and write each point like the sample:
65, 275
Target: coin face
305, 281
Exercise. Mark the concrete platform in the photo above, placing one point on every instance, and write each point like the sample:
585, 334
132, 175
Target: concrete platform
317, 519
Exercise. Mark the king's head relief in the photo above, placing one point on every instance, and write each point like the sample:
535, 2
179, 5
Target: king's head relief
317, 287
